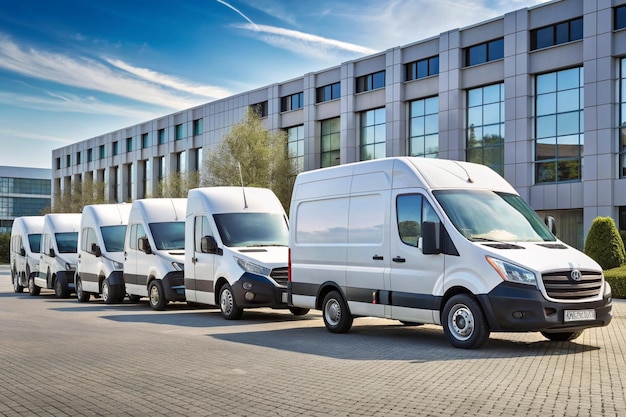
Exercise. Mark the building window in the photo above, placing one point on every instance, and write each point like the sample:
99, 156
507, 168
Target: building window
370, 82
115, 177
102, 152
160, 168
199, 159
292, 102
68, 160
58, 163
179, 132
130, 182
260, 108
145, 140
115, 148
89, 154
424, 128
556, 34
621, 221
620, 18
78, 161
330, 142
161, 136
484, 52
373, 134
181, 162
147, 178
129, 144
328, 92
485, 126
422, 68
295, 146
197, 127
622, 118
559, 129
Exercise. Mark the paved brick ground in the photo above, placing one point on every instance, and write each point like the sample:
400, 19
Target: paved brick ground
64, 358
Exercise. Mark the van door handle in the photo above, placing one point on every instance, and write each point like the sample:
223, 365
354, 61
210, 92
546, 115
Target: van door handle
194, 260
399, 259
377, 258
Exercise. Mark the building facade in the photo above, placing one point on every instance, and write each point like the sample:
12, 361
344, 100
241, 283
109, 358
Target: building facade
538, 94
23, 192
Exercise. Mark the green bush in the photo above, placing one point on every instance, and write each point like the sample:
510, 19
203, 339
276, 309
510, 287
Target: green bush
616, 277
5, 246
622, 233
604, 243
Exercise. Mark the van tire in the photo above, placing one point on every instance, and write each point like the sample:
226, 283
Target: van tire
109, 292
562, 336
60, 290
17, 287
298, 311
336, 313
156, 295
464, 323
82, 296
32, 288
228, 304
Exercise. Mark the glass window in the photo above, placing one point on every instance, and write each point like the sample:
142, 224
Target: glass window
620, 17
330, 142
113, 237
201, 229
115, 148
373, 134
559, 33
179, 131
424, 128
161, 136
559, 129
422, 68
89, 154
197, 127
102, 154
485, 126
67, 242
292, 102
413, 210
622, 117
145, 140
328, 92
129, 144
295, 146
168, 235
252, 229
370, 82
484, 52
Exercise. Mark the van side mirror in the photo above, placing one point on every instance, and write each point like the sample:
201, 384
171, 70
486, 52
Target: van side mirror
431, 238
22, 252
209, 245
143, 245
551, 223
95, 249
52, 254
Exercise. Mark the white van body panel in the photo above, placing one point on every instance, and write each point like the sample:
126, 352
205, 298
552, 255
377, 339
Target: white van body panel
205, 273
351, 231
167, 252
97, 222
25, 245
58, 258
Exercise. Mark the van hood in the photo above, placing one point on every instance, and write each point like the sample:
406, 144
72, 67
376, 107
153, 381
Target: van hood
541, 257
270, 256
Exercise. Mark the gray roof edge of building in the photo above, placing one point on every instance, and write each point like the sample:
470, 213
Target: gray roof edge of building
25, 172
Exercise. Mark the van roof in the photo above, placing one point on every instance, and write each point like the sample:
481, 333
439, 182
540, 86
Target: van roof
62, 222
106, 214
30, 224
154, 210
237, 199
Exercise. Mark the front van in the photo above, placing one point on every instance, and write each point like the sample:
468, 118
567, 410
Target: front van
25, 247
436, 241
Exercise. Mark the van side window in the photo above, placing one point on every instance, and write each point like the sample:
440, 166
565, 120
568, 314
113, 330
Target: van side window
88, 237
136, 232
413, 209
45, 247
201, 229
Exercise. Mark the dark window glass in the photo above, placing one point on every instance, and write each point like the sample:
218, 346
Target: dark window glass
378, 80
370, 82
168, 235
576, 29
496, 50
544, 37
113, 237
67, 242
477, 54
422, 68
620, 17
433, 65
562, 33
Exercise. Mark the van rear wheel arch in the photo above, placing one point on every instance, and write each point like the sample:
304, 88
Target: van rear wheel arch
324, 289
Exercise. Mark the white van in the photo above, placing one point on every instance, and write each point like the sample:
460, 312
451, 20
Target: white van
436, 241
25, 246
58, 256
100, 267
154, 251
236, 249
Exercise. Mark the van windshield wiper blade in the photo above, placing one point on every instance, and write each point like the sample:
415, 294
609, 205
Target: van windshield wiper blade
260, 245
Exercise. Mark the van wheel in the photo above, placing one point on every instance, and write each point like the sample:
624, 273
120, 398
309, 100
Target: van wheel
134, 298
83, 296
156, 295
563, 336
61, 290
16, 283
228, 305
337, 317
298, 311
109, 292
32, 288
464, 323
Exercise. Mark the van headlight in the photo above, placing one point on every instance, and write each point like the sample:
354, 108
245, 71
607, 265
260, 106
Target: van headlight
513, 273
252, 267
178, 266
117, 265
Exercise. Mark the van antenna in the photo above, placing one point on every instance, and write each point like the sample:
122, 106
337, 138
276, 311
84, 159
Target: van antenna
243, 189
469, 179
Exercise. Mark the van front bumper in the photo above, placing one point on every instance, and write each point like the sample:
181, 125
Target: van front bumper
174, 286
253, 290
513, 307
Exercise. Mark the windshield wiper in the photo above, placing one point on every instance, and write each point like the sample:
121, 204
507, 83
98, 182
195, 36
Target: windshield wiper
260, 245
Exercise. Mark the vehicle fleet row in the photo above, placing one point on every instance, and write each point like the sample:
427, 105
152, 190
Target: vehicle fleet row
422, 241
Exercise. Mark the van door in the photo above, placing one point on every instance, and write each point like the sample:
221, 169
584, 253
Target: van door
131, 281
202, 283
414, 276
88, 261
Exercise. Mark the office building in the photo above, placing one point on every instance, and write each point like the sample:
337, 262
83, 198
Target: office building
23, 192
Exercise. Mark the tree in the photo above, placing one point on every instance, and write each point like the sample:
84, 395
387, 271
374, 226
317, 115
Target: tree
79, 195
252, 154
604, 243
178, 184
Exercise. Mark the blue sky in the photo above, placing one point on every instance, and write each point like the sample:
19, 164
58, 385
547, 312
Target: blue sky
73, 70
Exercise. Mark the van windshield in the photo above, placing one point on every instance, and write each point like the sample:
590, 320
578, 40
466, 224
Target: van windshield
67, 242
168, 235
34, 241
482, 215
113, 237
252, 229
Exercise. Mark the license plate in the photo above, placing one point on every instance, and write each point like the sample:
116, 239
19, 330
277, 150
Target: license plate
579, 315
284, 297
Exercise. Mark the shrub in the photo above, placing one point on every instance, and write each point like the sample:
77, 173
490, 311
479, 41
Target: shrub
5, 242
604, 243
616, 278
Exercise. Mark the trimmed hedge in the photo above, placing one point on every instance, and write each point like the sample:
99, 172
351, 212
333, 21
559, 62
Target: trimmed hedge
616, 278
604, 243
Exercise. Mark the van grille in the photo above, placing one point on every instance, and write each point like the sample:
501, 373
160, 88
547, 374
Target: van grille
280, 275
559, 285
